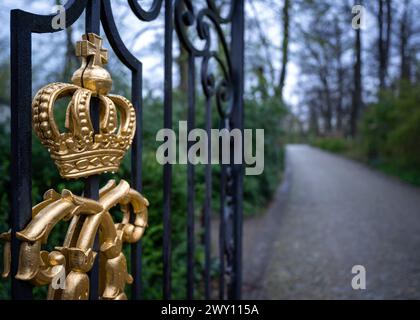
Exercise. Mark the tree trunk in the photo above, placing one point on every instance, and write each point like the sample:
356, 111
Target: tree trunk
285, 46
313, 121
357, 93
339, 107
384, 40
182, 62
328, 109
388, 34
381, 45
340, 77
70, 61
262, 86
266, 44
405, 73
325, 100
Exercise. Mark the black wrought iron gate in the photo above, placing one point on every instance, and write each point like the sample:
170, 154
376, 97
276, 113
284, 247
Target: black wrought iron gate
227, 92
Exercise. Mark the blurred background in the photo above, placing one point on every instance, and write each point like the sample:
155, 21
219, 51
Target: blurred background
312, 81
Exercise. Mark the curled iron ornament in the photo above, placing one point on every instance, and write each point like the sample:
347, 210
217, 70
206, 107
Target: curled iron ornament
220, 88
146, 15
222, 20
186, 18
114, 38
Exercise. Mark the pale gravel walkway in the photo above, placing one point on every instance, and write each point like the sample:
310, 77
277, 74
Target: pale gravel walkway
336, 213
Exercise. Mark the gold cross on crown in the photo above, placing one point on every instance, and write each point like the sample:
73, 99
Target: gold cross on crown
91, 45
91, 74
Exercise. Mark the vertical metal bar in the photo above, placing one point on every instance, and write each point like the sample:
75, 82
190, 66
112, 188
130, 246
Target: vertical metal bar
222, 230
167, 169
92, 24
136, 176
93, 16
190, 179
91, 190
207, 206
21, 150
237, 54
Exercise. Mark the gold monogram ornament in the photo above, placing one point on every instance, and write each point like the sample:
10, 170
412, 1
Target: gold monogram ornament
81, 152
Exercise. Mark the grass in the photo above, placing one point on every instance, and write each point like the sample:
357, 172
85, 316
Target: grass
409, 175
351, 149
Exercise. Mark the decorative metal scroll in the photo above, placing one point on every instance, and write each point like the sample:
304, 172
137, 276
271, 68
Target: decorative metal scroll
190, 22
213, 86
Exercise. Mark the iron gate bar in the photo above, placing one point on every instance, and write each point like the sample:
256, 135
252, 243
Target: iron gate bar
21, 148
167, 169
237, 53
92, 25
190, 179
22, 25
207, 204
222, 229
136, 178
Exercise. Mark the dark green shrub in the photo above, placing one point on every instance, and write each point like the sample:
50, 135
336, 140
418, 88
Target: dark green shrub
332, 144
390, 131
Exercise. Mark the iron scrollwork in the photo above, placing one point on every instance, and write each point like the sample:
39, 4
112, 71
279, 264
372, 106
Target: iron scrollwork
146, 15
185, 19
218, 86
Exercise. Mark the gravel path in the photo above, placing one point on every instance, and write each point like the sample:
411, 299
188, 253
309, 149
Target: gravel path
332, 214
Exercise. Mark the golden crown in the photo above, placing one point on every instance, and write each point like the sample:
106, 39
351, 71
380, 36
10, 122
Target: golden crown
80, 151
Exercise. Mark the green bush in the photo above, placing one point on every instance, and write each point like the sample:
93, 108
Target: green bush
268, 115
332, 144
390, 131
